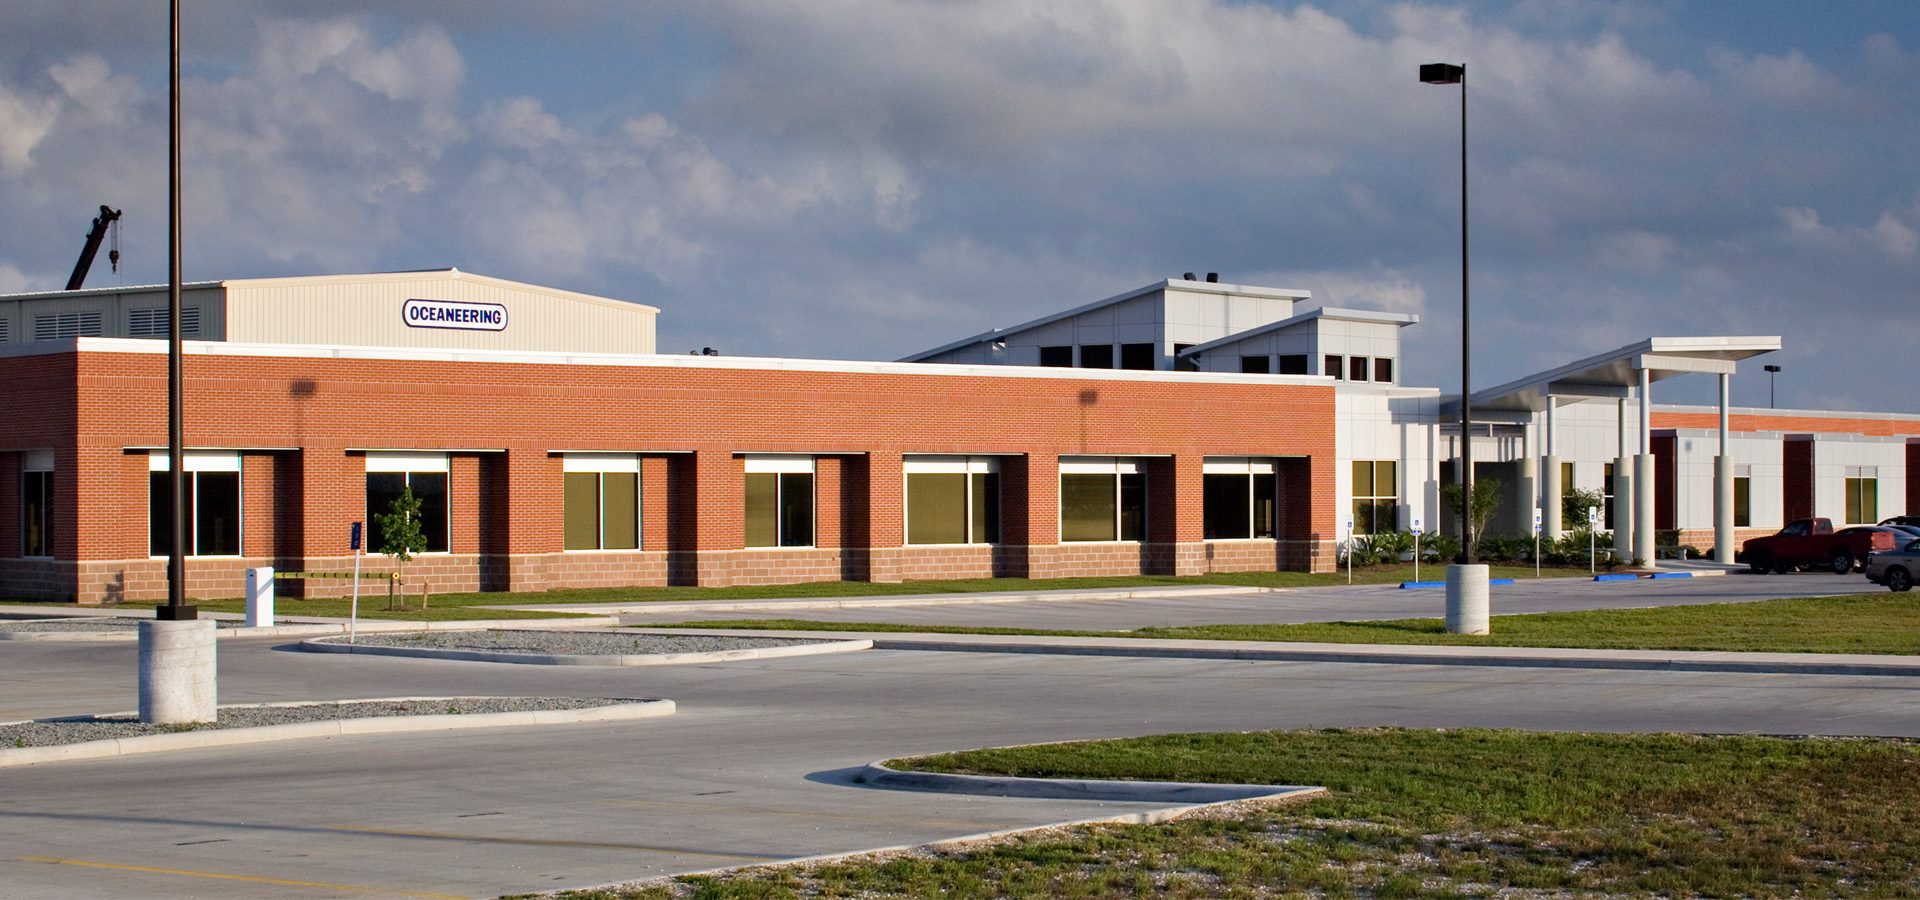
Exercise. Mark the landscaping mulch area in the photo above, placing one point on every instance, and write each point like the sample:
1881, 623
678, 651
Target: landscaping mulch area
100, 728
573, 643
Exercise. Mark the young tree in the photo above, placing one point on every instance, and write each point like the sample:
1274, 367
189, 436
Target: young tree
400, 534
1574, 506
1486, 500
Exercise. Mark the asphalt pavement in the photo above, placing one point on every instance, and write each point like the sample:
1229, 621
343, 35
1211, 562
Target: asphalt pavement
753, 769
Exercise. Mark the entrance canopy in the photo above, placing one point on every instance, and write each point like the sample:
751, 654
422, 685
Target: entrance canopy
1613, 375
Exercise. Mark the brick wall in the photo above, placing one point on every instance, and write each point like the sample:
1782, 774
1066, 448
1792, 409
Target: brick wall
693, 424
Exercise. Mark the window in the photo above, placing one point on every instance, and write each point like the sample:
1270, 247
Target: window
1606, 495
953, 500
36, 504
600, 501
391, 475
1336, 366
1241, 499
1293, 364
1255, 365
211, 496
1863, 494
1138, 356
1566, 479
1376, 496
1383, 370
779, 501
1057, 357
1096, 356
1356, 368
54, 326
1742, 496
1102, 499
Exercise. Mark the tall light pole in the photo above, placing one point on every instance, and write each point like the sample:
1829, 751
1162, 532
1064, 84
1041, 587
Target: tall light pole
1448, 73
177, 656
176, 607
1771, 371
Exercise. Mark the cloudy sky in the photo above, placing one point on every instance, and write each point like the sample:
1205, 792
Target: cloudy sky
872, 177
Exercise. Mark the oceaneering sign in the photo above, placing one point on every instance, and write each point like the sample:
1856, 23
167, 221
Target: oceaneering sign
454, 314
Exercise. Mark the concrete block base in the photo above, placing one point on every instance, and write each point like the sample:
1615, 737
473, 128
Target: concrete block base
178, 675
1467, 599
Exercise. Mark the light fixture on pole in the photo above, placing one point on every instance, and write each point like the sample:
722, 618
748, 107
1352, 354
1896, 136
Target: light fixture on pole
1448, 73
1467, 583
1771, 371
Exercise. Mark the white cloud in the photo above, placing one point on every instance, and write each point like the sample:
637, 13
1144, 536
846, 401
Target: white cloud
1895, 237
24, 122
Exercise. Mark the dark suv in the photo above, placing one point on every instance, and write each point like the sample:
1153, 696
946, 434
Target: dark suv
1901, 520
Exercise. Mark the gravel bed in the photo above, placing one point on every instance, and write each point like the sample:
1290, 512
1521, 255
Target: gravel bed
90, 623
575, 643
100, 728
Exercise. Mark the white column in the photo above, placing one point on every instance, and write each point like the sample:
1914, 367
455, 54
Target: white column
1623, 492
1643, 524
1723, 484
1550, 483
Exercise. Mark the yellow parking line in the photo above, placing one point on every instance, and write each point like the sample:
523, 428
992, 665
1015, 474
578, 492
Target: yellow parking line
545, 842
228, 876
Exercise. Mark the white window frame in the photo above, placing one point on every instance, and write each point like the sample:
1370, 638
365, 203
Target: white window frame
1102, 465
391, 462
783, 464
601, 464
1240, 465
194, 462
947, 464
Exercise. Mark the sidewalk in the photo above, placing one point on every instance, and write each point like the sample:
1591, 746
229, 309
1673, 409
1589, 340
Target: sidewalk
1395, 654
886, 600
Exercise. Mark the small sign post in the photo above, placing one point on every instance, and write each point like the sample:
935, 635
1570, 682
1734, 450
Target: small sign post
1536, 542
1349, 551
1416, 548
1593, 539
353, 611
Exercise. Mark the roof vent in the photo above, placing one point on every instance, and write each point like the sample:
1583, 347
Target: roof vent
1213, 277
1187, 276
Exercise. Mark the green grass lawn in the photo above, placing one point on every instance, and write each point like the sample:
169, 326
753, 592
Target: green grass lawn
1862, 623
375, 607
1459, 813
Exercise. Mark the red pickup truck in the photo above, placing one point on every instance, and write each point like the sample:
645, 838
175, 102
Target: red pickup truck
1813, 542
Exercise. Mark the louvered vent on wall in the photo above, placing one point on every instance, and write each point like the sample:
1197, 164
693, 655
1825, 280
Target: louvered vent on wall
54, 326
6, 333
153, 322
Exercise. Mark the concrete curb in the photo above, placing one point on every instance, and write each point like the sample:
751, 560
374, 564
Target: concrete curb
227, 737
669, 607
1393, 654
309, 629
821, 646
878, 774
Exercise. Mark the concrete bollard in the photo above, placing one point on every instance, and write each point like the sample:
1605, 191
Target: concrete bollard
260, 597
1467, 599
178, 674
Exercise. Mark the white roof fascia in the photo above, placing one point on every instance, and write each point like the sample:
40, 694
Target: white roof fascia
1615, 368
1203, 287
662, 361
1789, 413
1322, 312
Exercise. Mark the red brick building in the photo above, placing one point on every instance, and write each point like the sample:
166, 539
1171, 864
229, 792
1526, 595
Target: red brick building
543, 470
